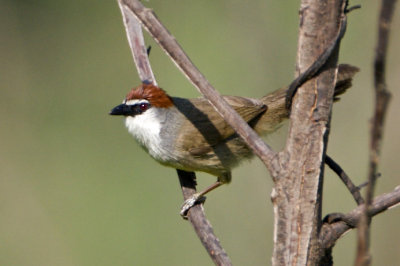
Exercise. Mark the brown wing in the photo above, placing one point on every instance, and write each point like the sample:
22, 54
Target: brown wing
205, 134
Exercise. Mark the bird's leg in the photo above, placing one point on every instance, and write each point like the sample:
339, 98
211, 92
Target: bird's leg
197, 198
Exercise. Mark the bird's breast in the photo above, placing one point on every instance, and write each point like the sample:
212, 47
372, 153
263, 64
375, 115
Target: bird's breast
146, 129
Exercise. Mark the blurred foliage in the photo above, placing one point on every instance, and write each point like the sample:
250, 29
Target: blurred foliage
75, 189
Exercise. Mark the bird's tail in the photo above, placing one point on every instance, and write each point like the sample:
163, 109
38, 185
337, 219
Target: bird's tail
275, 102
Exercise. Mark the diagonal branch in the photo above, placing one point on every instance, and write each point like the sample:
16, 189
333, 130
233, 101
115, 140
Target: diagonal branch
382, 97
169, 44
330, 233
354, 190
316, 65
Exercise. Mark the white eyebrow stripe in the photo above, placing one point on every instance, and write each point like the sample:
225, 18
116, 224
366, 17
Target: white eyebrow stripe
135, 101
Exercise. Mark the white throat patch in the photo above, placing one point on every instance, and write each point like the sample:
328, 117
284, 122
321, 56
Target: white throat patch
146, 129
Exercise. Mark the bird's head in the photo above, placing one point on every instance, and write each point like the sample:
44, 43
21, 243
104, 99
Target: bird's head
141, 99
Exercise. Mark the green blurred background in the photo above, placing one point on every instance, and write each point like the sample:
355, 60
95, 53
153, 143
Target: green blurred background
75, 189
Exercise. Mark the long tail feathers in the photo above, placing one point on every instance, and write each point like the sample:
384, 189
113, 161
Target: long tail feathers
277, 112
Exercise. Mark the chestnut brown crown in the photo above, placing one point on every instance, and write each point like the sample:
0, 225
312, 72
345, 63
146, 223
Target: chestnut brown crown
156, 96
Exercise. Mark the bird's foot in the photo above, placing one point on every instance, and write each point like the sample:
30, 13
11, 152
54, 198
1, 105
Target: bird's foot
190, 202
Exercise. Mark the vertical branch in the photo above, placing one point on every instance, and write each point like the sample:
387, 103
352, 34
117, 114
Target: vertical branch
382, 97
297, 195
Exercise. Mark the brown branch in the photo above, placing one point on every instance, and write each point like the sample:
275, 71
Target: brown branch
297, 196
382, 97
362, 185
196, 215
199, 222
331, 232
171, 47
354, 190
315, 67
319, 63
136, 43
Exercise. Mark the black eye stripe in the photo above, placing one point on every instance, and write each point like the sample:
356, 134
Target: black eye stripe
130, 109
139, 108
143, 106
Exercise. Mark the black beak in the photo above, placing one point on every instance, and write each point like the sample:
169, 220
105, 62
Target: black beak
121, 109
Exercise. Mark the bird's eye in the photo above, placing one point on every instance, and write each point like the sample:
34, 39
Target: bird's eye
143, 106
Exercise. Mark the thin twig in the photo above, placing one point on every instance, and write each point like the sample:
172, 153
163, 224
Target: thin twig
316, 65
354, 190
321, 60
382, 97
199, 222
331, 232
136, 43
362, 185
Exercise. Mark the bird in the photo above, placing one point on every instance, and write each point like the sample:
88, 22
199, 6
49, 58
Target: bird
189, 134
